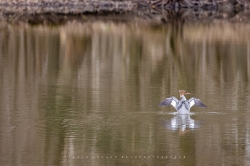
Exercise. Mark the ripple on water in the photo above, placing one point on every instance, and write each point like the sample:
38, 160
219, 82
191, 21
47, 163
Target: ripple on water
192, 113
208, 113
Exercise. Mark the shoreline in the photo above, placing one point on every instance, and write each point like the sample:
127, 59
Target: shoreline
57, 12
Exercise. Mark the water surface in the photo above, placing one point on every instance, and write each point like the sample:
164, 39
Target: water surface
88, 94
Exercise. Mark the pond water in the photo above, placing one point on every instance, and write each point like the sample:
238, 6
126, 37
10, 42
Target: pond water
88, 93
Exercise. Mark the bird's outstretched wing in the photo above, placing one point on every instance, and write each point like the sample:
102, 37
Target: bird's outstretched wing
169, 101
193, 101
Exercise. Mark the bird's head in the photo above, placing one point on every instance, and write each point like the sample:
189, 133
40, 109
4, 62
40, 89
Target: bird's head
183, 92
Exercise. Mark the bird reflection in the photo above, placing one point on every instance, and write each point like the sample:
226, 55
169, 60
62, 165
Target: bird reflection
182, 122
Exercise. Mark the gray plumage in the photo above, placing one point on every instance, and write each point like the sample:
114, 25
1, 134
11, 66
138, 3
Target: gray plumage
182, 106
197, 102
168, 101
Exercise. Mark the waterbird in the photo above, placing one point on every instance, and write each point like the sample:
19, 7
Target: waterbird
182, 106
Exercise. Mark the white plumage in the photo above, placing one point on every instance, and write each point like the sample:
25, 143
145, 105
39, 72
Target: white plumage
182, 106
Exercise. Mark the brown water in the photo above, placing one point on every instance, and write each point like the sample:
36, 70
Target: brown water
88, 94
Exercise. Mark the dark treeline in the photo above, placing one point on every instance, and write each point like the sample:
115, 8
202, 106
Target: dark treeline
210, 4
54, 12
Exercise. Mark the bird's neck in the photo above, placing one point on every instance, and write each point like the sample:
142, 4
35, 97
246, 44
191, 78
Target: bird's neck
183, 97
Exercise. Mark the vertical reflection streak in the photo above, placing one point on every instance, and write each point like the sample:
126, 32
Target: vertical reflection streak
107, 79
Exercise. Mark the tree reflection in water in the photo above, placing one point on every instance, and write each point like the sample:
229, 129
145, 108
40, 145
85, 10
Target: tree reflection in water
107, 79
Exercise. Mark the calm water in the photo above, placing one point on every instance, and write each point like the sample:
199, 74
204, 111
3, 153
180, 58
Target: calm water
88, 94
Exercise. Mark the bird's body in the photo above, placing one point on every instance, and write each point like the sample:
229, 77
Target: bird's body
183, 105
